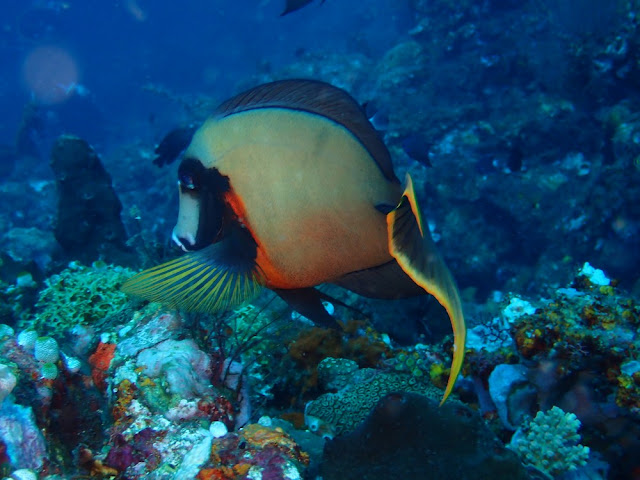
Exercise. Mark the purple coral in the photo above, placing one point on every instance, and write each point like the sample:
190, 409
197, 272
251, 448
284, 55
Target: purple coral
122, 454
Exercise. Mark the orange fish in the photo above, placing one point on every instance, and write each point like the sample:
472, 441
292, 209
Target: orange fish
288, 186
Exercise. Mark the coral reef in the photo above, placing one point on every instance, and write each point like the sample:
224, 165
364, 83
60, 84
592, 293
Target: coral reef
180, 402
357, 342
256, 451
547, 359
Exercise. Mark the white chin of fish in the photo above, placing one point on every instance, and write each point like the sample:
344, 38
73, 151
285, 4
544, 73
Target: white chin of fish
187, 237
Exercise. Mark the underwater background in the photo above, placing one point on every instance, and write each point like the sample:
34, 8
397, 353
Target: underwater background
519, 122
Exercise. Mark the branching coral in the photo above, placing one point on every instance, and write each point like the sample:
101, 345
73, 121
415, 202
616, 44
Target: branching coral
550, 442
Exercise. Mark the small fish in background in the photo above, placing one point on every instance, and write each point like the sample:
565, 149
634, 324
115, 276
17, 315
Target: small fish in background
503, 158
288, 186
173, 144
293, 5
515, 159
417, 148
485, 165
378, 117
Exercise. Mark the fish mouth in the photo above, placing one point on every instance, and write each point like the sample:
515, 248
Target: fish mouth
185, 241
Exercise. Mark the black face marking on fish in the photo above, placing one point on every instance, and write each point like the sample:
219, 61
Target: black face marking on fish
191, 174
208, 187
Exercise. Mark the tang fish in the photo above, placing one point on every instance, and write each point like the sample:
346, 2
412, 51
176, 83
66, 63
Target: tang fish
288, 186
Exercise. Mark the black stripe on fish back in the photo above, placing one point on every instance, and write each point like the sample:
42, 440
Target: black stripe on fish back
319, 98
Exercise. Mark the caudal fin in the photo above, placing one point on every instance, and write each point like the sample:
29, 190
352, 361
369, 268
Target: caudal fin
410, 243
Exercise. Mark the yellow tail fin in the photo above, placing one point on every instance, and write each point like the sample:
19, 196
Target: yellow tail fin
416, 253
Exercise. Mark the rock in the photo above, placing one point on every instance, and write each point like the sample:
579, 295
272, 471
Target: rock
88, 224
409, 436
25, 445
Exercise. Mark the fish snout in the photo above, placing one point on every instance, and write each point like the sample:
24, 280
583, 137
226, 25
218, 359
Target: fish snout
184, 240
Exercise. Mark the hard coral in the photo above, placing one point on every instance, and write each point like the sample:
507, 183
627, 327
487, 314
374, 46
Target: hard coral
80, 295
342, 412
550, 442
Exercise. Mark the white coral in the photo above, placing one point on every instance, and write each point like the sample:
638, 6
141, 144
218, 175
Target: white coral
7, 381
550, 442
46, 350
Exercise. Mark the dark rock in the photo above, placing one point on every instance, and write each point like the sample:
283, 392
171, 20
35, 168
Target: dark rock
88, 224
410, 436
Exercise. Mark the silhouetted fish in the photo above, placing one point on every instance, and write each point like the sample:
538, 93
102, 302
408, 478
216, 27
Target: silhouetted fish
293, 5
379, 117
173, 144
516, 156
417, 148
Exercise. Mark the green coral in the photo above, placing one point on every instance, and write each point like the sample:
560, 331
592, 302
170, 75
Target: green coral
549, 443
336, 373
342, 412
79, 295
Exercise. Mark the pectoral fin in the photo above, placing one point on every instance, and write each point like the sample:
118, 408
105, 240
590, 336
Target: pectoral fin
414, 250
216, 278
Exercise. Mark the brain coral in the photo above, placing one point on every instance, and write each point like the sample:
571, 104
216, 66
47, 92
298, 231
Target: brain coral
343, 411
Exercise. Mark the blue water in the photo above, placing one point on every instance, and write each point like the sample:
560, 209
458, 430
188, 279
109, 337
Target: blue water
188, 47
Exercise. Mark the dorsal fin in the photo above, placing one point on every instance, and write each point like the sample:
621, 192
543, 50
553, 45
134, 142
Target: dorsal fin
319, 98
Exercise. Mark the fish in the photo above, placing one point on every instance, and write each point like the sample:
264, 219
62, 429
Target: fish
417, 148
293, 5
288, 186
173, 144
515, 158
378, 117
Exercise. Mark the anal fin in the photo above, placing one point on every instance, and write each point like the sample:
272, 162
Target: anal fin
308, 302
416, 253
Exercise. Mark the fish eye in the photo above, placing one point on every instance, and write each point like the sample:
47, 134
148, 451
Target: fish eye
190, 175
